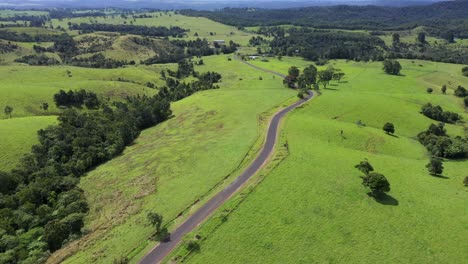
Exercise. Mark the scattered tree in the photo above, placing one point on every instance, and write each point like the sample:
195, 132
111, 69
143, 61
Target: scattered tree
460, 91
392, 67
429, 90
421, 38
364, 166
444, 89
8, 110
465, 181
377, 183
435, 166
389, 128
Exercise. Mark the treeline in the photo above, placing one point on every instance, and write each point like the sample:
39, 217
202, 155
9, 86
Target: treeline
324, 44
41, 207
23, 37
443, 17
97, 61
38, 60
76, 98
438, 114
131, 29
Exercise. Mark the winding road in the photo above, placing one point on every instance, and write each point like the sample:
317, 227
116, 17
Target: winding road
160, 251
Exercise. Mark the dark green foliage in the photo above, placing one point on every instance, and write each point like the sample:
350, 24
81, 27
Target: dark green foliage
293, 71
465, 71
55, 232
439, 144
439, 17
376, 182
389, 128
39, 60
444, 89
8, 182
421, 37
192, 245
198, 47
76, 98
437, 113
155, 220
465, 101
23, 37
96, 61
460, 91
8, 110
429, 90
364, 166
392, 67
325, 76
131, 29
465, 181
435, 166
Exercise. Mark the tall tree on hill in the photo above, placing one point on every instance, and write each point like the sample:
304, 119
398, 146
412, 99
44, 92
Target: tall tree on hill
392, 67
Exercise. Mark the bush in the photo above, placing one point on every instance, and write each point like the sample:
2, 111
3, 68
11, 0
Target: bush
465, 181
460, 91
429, 90
435, 166
437, 113
389, 128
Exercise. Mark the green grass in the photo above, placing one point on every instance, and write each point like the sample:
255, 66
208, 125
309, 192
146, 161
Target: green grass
11, 13
199, 25
18, 135
313, 209
25, 88
174, 164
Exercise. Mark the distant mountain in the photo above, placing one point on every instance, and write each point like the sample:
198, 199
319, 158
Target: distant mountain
199, 4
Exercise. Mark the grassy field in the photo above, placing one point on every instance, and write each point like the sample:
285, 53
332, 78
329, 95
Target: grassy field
12, 13
173, 165
202, 26
25, 88
313, 208
18, 135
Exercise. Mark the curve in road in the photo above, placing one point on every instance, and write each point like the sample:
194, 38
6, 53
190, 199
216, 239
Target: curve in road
160, 251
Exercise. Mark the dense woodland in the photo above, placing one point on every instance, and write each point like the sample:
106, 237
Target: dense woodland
131, 29
442, 17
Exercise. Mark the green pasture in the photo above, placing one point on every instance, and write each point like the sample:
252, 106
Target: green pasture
313, 209
174, 164
18, 135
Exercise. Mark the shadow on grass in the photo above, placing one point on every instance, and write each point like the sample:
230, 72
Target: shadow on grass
440, 176
384, 199
393, 135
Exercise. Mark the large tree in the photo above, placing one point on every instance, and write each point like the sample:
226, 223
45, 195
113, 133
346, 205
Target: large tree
435, 166
325, 77
392, 67
376, 182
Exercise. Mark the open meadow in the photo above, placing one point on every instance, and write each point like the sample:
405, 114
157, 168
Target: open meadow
313, 209
173, 165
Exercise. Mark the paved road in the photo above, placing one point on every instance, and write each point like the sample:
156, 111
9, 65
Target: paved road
160, 251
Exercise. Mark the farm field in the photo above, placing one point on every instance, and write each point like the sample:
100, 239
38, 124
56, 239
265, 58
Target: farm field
25, 88
205, 28
18, 135
313, 209
174, 164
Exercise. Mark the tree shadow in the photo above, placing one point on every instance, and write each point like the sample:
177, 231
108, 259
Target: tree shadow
440, 176
384, 199
393, 135
331, 89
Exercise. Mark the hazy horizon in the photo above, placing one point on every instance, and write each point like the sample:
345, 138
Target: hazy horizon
199, 4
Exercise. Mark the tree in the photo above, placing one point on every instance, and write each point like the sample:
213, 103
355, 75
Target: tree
460, 91
155, 220
444, 89
325, 77
8, 110
45, 106
389, 128
392, 67
465, 71
308, 76
465, 181
293, 71
376, 182
55, 232
364, 166
435, 166
429, 90
396, 38
280, 56
421, 38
